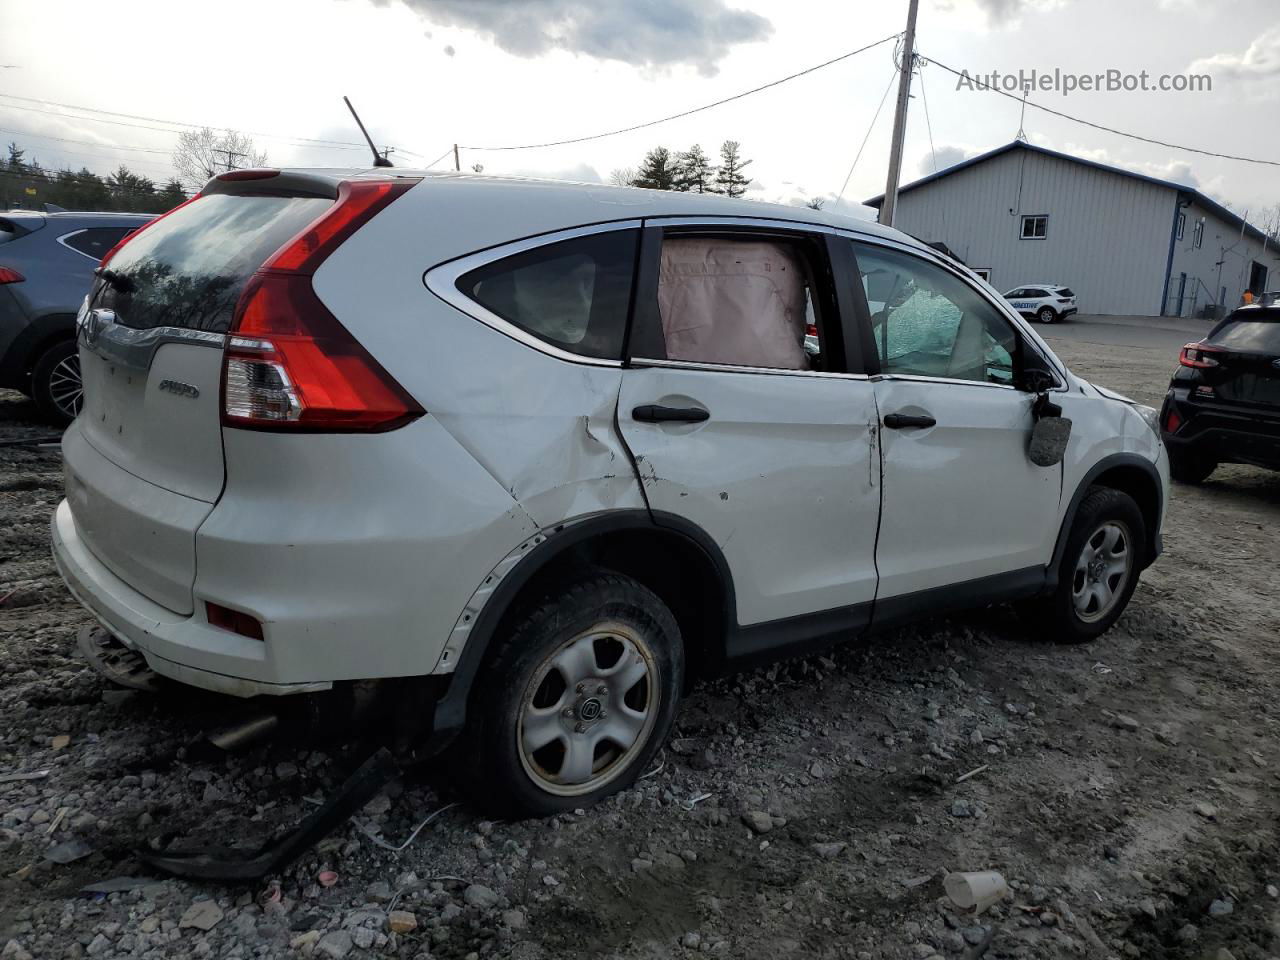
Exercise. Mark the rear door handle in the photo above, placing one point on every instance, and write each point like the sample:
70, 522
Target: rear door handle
902, 421
656, 413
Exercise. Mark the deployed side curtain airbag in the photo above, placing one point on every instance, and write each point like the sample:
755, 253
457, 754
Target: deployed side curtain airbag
733, 301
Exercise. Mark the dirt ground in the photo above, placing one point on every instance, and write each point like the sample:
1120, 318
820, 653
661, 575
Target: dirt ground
1127, 790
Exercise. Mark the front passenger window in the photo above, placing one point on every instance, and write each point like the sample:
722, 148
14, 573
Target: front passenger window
927, 322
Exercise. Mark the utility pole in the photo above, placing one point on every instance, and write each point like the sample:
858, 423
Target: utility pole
890, 203
231, 153
457, 162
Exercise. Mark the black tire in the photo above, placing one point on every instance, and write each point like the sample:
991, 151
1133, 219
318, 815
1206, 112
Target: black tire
506, 779
1046, 315
1056, 617
56, 397
1189, 468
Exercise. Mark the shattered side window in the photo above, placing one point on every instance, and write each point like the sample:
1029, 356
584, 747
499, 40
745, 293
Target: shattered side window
929, 323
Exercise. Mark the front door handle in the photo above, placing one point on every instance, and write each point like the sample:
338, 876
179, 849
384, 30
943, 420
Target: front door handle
902, 421
656, 413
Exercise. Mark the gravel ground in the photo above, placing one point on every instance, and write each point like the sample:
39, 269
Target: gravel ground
1127, 790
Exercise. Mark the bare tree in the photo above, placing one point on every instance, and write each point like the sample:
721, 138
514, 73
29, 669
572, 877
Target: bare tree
622, 177
205, 153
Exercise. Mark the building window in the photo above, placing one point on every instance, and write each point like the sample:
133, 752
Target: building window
1035, 228
1199, 235
983, 272
1182, 225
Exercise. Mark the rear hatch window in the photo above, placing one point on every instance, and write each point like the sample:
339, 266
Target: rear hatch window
1249, 336
1066, 293
189, 269
1246, 372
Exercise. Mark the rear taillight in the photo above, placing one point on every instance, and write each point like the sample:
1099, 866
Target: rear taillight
289, 363
1195, 355
10, 275
1064, 299
150, 223
811, 330
1172, 421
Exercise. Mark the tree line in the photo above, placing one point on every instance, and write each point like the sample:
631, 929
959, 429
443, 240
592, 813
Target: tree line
690, 171
26, 183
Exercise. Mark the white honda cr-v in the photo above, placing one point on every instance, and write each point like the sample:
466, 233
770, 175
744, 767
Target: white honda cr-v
553, 450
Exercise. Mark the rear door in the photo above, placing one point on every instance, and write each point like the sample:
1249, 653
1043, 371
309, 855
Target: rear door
737, 428
144, 458
962, 501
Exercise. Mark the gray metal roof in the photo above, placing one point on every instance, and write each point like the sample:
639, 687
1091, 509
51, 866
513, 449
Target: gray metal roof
1195, 195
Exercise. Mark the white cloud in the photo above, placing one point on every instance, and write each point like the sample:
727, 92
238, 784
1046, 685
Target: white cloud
650, 34
1260, 60
947, 155
1000, 13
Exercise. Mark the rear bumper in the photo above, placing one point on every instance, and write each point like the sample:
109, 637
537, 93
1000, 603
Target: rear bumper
181, 648
1228, 435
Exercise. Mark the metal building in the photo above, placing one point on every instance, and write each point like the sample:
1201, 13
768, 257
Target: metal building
1124, 242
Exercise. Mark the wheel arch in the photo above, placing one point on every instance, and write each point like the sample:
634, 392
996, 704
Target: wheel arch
27, 347
1130, 474
674, 558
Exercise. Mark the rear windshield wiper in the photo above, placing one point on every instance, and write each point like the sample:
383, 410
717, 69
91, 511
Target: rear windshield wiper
116, 281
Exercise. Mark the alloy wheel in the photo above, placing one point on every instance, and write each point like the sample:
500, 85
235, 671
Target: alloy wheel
66, 387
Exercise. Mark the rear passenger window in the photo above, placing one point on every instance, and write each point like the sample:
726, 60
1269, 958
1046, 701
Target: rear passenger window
574, 294
749, 301
96, 241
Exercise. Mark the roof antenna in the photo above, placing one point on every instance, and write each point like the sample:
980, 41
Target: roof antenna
378, 159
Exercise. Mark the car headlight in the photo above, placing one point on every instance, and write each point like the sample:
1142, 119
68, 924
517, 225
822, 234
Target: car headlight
1151, 415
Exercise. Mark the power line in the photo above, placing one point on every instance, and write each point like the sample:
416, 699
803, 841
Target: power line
174, 123
687, 113
87, 143
1099, 126
933, 153
871, 126
303, 142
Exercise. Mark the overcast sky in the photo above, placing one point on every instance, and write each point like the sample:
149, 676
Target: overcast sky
428, 73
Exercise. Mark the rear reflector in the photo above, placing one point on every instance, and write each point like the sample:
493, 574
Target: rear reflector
233, 620
10, 275
1172, 421
289, 364
1195, 355
150, 223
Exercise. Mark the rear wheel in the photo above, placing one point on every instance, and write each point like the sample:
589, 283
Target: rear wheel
1046, 315
56, 387
1189, 468
1099, 570
574, 704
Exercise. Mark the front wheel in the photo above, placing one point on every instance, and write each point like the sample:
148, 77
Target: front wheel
1099, 570
572, 705
1046, 315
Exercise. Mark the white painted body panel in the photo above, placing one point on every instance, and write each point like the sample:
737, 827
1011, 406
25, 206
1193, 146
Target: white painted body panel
363, 555
961, 499
781, 477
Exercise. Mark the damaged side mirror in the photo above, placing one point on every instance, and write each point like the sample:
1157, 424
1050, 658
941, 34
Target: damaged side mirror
1050, 431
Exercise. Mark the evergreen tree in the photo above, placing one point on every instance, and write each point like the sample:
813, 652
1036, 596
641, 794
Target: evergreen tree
15, 164
658, 172
694, 171
729, 178
170, 195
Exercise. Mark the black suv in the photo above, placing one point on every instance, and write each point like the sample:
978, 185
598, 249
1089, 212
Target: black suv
1223, 404
46, 267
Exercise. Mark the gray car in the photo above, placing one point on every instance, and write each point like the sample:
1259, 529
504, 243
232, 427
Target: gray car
46, 268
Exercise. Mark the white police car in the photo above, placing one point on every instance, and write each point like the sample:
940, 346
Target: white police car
1046, 302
